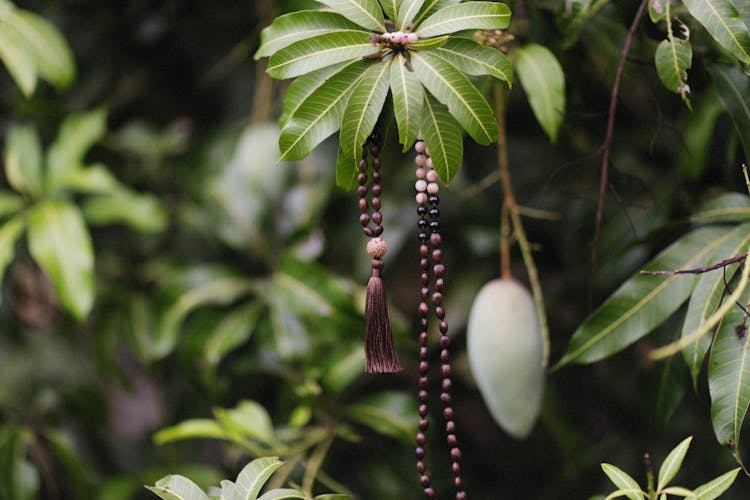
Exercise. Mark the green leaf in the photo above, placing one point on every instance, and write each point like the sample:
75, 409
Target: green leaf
452, 88
743, 8
320, 114
443, 138
282, 493
714, 488
698, 133
301, 25
632, 493
17, 57
247, 419
623, 481
707, 296
673, 58
476, 59
48, 49
728, 207
196, 428
23, 160
408, 100
94, 179
465, 16
346, 169
656, 10
407, 11
177, 487
429, 43
10, 203
61, 245
142, 212
318, 52
77, 134
303, 87
9, 234
733, 87
643, 302
230, 333
390, 7
254, 475
220, 290
723, 22
729, 378
363, 108
543, 80
366, 13
672, 463
431, 6
677, 491
389, 413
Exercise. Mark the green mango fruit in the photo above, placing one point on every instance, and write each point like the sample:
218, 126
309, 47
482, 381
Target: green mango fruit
505, 354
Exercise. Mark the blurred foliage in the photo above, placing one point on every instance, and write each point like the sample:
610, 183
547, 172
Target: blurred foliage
210, 310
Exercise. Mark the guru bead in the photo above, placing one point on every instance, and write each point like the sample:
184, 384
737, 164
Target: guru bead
376, 248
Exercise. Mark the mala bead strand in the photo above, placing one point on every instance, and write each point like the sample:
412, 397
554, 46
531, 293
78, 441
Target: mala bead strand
431, 263
380, 353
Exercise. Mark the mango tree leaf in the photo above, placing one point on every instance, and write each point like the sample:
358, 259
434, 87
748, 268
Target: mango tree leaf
23, 160
254, 475
10, 203
282, 493
46, 46
629, 492
431, 6
320, 114
388, 413
247, 419
744, 10
733, 87
656, 10
407, 11
476, 59
574, 18
671, 465
729, 378
142, 212
699, 132
429, 43
93, 179
452, 88
61, 245
303, 87
390, 7
713, 489
9, 234
318, 52
77, 134
301, 25
346, 170
16, 56
623, 481
443, 138
643, 302
707, 296
543, 80
465, 16
408, 100
366, 13
673, 58
363, 108
728, 207
678, 491
723, 22
344, 370
230, 333
177, 487
218, 290
190, 429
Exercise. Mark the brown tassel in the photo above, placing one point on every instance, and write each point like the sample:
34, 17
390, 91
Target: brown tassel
379, 351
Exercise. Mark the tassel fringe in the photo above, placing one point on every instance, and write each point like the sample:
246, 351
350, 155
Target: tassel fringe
379, 351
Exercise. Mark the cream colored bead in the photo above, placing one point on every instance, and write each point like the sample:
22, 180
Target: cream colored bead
421, 173
376, 248
421, 185
432, 176
428, 164
433, 188
419, 147
420, 160
421, 198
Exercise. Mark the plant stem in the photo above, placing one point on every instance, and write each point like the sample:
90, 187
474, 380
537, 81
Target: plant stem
510, 206
315, 461
649, 477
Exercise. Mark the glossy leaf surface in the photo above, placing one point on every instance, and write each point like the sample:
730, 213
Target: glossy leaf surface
366, 13
475, 59
363, 108
722, 20
443, 138
733, 87
465, 16
542, 79
408, 101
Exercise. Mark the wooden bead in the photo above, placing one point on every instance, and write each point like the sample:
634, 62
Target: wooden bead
376, 248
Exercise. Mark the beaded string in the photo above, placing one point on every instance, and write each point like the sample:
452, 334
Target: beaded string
430, 264
379, 351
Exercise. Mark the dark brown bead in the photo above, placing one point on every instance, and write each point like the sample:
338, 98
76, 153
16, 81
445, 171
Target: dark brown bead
448, 413
377, 230
445, 369
450, 427
456, 467
445, 398
376, 174
422, 236
424, 366
447, 384
424, 264
375, 163
440, 312
423, 395
420, 466
424, 250
362, 191
423, 338
363, 165
363, 204
434, 212
438, 269
422, 224
421, 210
458, 483
362, 179
367, 231
375, 150
460, 495
423, 308
445, 355
424, 322
445, 341
419, 452
421, 439
424, 424
435, 225
376, 190
429, 493
443, 327
434, 199
437, 254
364, 219
435, 240
440, 285
375, 203
423, 352
451, 440
422, 382
423, 410
456, 453
377, 217
425, 279
424, 292
424, 480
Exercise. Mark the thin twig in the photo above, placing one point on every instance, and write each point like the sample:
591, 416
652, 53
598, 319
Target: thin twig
608, 142
698, 270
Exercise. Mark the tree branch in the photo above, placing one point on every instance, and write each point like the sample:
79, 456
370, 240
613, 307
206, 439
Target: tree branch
698, 270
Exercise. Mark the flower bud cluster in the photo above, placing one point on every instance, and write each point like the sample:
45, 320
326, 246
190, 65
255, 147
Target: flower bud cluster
396, 38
